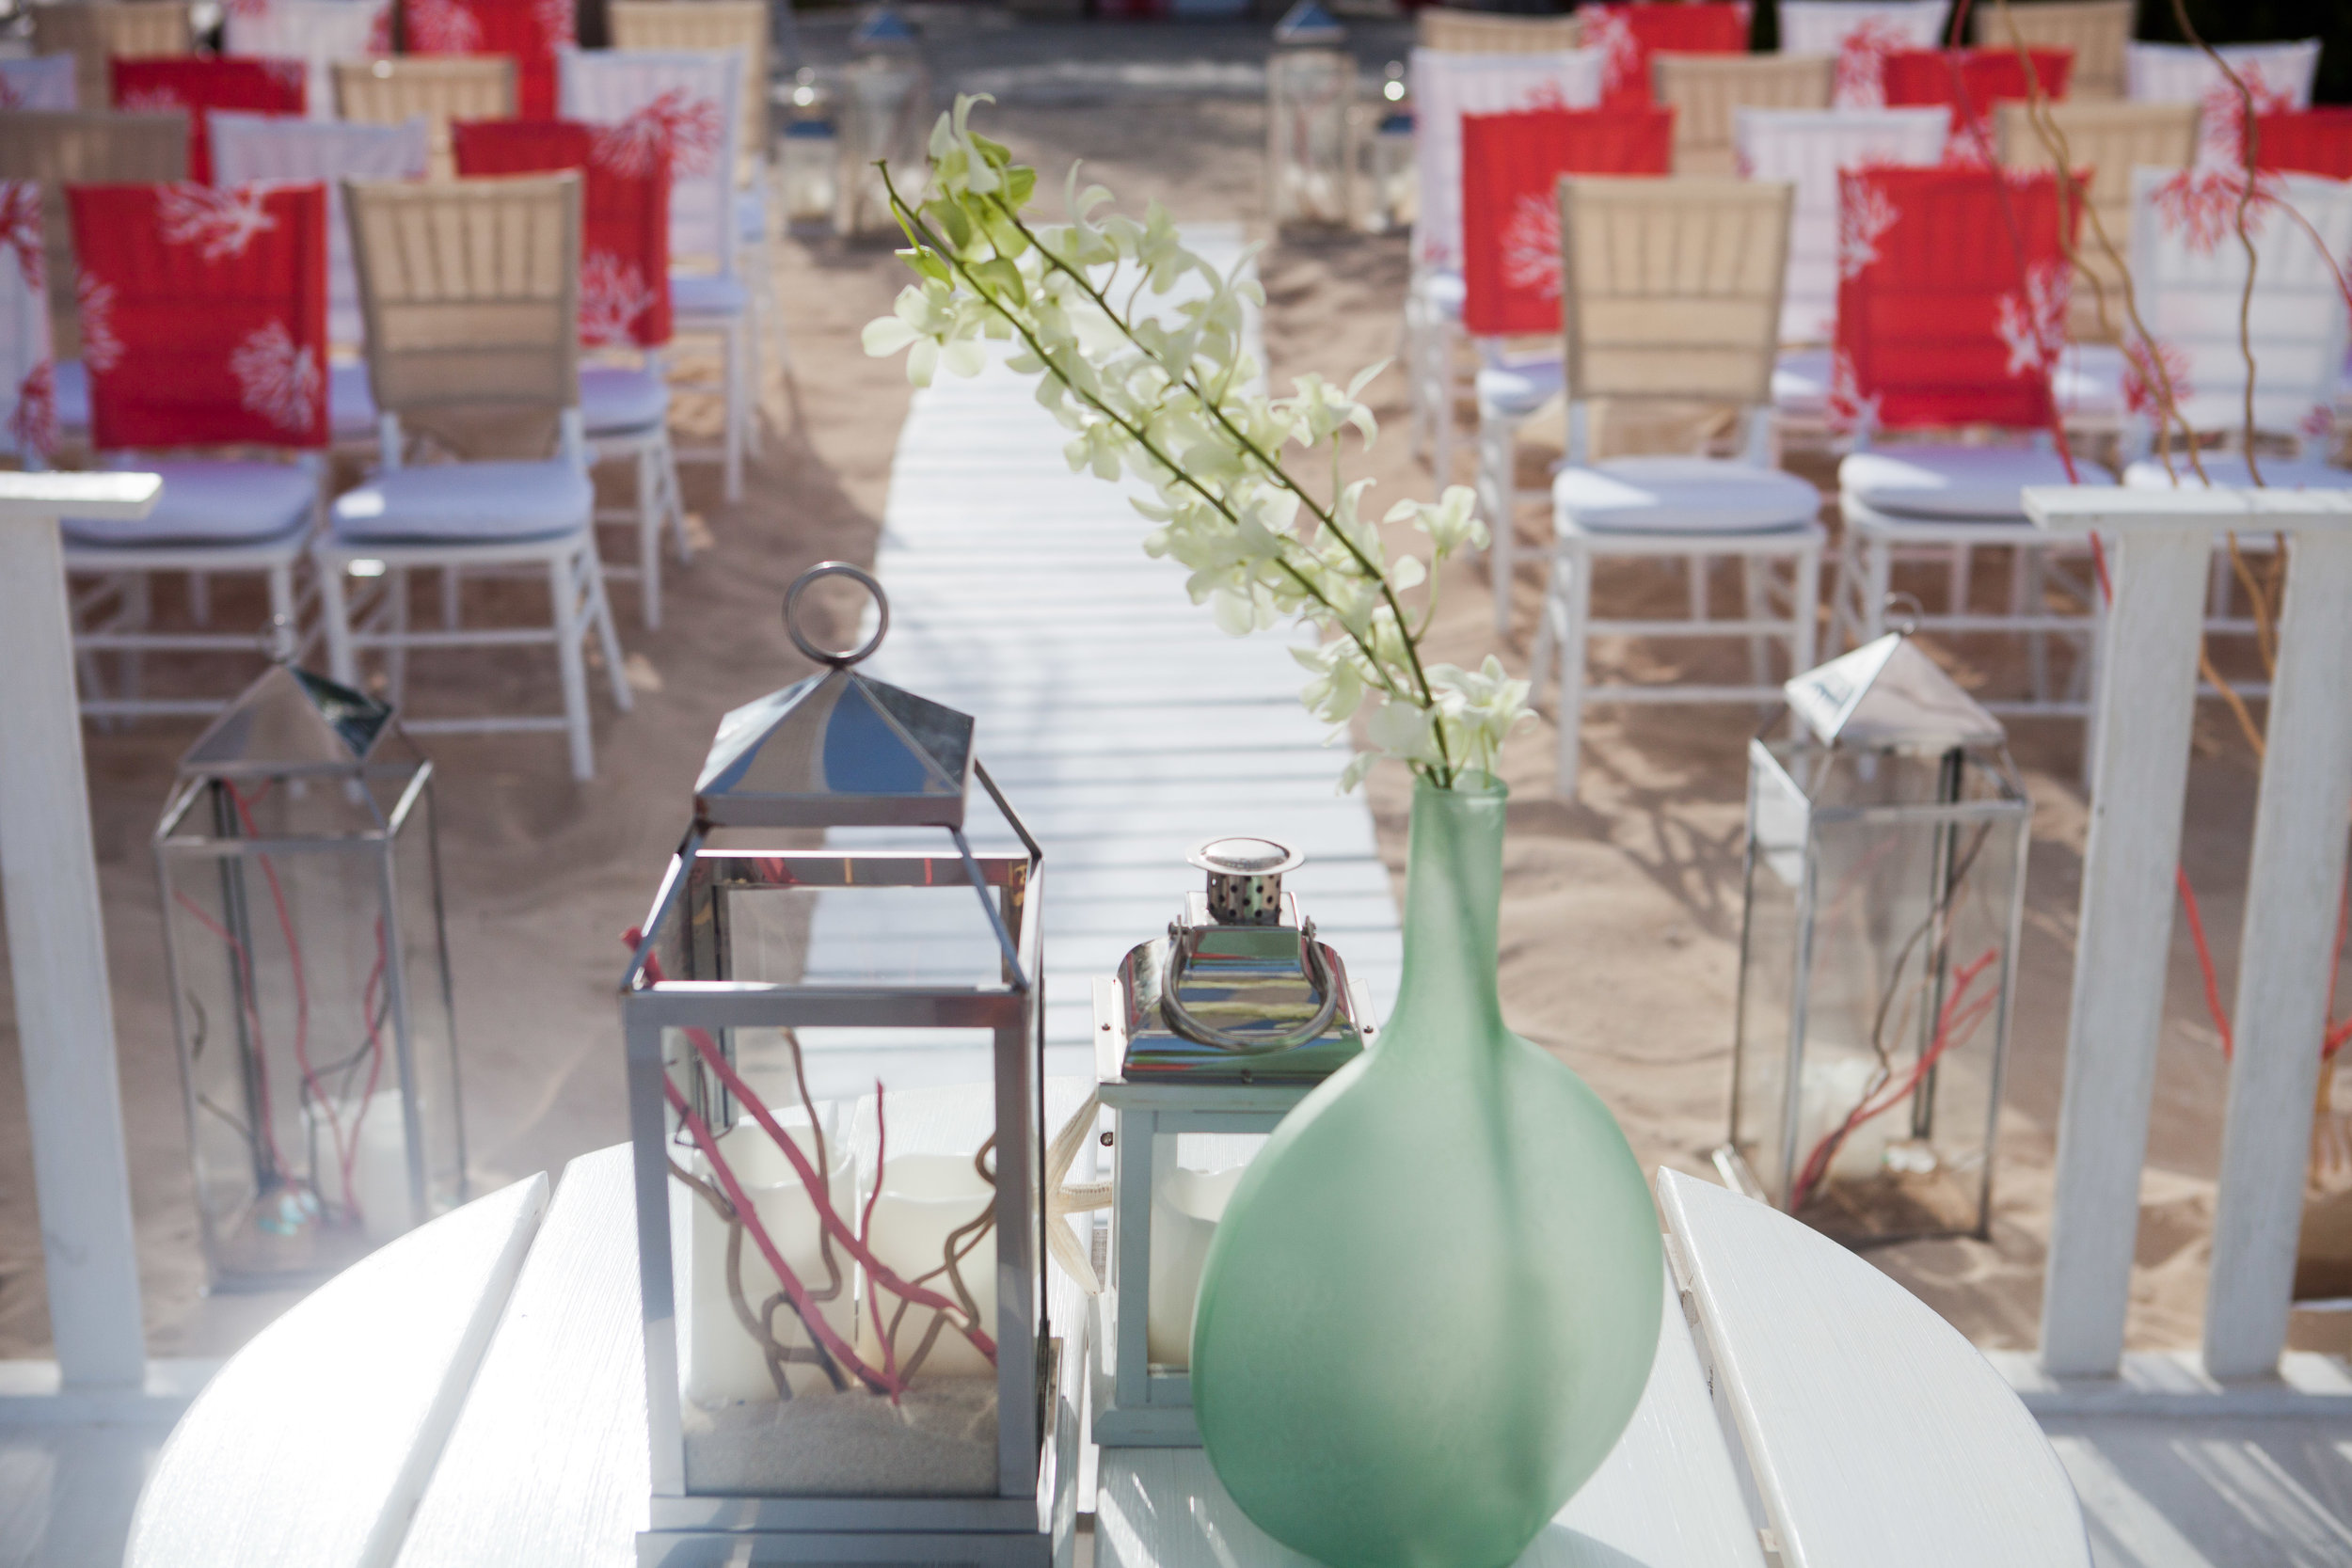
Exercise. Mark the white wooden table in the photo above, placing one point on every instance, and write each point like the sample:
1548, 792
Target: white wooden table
473, 1394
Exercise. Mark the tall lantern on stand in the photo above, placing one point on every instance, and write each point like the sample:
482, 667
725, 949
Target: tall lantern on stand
835, 1049
1310, 128
309, 982
883, 114
1392, 195
1886, 848
809, 154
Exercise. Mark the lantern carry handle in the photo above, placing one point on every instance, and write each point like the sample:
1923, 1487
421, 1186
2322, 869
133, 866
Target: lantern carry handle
1184, 939
836, 569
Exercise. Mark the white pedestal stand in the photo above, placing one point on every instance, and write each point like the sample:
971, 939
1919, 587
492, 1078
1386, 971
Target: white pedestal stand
2162, 548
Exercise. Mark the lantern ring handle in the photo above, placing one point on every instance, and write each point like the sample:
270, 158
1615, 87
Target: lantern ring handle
836, 569
1182, 938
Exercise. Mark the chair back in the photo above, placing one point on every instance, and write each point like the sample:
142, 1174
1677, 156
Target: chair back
28, 427
38, 82
2108, 140
2096, 30
1809, 148
1447, 85
2306, 141
204, 314
738, 24
316, 32
2182, 73
1627, 35
1707, 91
528, 32
1460, 32
1861, 34
623, 222
677, 100
57, 150
100, 31
1939, 321
1510, 170
472, 293
441, 90
251, 148
1972, 82
2188, 271
1672, 288
191, 86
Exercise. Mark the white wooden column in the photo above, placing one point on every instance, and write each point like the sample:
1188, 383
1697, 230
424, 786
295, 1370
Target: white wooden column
57, 943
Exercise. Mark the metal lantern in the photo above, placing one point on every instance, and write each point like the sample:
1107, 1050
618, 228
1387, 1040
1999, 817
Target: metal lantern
309, 982
1205, 1039
810, 157
884, 115
1392, 204
834, 1051
1885, 889
1311, 130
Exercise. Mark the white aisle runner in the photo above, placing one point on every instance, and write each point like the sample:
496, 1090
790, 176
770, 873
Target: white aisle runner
1123, 725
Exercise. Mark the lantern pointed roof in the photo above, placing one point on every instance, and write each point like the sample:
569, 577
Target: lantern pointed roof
292, 721
1888, 695
882, 28
1309, 22
837, 750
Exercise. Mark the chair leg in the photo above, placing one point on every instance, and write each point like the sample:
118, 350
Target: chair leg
1573, 609
677, 492
282, 602
736, 414
649, 520
564, 590
1878, 572
1804, 609
139, 596
1956, 592
1756, 605
335, 610
598, 609
396, 584
1442, 353
2034, 600
1498, 495
754, 377
1694, 568
200, 598
450, 588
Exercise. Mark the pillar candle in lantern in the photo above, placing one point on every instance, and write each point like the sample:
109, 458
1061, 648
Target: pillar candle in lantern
924, 1199
724, 1365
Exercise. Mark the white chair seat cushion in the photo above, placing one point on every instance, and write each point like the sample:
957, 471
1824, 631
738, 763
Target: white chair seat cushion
1953, 484
1683, 495
622, 398
708, 295
350, 402
2228, 470
1801, 383
467, 503
1517, 389
2087, 382
241, 502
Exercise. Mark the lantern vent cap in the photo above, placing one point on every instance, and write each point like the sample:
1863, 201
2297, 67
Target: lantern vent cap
883, 28
1309, 22
1888, 695
290, 721
839, 749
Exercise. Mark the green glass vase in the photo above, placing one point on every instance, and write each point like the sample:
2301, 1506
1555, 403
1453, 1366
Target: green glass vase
1430, 1308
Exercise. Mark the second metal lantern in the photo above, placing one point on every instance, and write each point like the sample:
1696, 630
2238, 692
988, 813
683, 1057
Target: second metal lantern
1886, 848
1204, 1039
883, 114
1310, 128
834, 1070
309, 982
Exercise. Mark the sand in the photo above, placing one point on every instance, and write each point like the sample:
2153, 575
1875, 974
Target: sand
1621, 909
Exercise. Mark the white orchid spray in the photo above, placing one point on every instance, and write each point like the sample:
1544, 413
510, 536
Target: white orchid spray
1166, 395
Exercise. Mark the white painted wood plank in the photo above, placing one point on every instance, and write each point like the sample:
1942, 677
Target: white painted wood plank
2287, 962
1874, 1432
311, 1448
1667, 1496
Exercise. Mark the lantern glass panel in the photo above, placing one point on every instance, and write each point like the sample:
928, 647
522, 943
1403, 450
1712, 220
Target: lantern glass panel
884, 114
1193, 1175
1883, 903
1311, 147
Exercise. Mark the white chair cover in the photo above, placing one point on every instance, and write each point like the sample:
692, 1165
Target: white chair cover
37, 82
2181, 73
28, 410
1447, 86
1860, 33
316, 32
252, 148
690, 98
2189, 272
1807, 148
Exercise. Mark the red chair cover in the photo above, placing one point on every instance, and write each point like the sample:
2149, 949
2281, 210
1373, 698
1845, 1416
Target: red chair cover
530, 30
204, 314
1938, 323
193, 83
624, 216
1970, 82
2315, 141
1510, 170
1629, 35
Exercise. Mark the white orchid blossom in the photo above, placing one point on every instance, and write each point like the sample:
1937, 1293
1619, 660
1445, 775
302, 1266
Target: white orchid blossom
1138, 345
